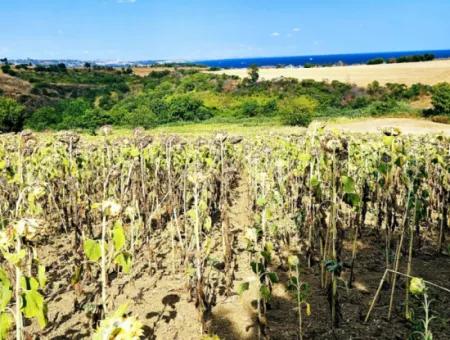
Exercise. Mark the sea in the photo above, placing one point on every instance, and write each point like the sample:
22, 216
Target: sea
330, 59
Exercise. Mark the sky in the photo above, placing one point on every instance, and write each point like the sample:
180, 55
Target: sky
216, 29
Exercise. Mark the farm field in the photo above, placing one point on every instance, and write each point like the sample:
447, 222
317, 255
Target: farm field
430, 73
212, 235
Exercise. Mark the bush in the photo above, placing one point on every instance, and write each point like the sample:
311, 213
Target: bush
381, 107
441, 99
252, 107
298, 111
186, 108
375, 61
67, 114
7, 69
441, 119
11, 115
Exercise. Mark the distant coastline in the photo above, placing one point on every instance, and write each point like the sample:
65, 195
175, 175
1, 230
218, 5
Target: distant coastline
267, 62
330, 59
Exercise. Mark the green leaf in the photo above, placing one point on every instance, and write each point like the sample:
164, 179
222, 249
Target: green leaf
2, 164
257, 268
261, 201
348, 185
34, 307
242, 287
304, 157
5, 296
134, 152
269, 246
76, 276
333, 266
273, 277
92, 250
125, 260
208, 223
314, 181
6, 321
352, 199
29, 283
264, 292
267, 256
42, 278
293, 283
388, 140
15, 258
118, 236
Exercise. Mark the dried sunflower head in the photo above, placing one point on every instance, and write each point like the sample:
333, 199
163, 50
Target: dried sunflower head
119, 327
27, 227
111, 208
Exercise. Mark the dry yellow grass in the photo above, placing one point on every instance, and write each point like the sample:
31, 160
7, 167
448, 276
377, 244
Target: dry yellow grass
430, 73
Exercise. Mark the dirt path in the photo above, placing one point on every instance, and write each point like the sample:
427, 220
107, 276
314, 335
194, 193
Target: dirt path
406, 125
233, 317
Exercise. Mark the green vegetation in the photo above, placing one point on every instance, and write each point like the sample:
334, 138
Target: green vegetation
441, 99
10, 115
299, 111
376, 61
404, 59
89, 97
148, 221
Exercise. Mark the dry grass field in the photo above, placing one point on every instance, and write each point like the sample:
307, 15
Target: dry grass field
430, 73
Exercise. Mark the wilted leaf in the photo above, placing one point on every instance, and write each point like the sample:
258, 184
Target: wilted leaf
42, 278
308, 309
293, 261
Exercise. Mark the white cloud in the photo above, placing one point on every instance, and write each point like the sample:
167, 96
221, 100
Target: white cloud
275, 34
296, 29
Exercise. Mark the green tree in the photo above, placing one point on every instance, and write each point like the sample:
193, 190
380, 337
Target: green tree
441, 99
11, 115
298, 111
185, 107
253, 72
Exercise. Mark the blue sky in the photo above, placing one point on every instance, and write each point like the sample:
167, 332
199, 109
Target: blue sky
213, 29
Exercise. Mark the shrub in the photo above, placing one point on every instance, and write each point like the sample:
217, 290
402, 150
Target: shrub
186, 108
299, 111
11, 115
441, 99
441, 119
67, 114
381, 107
253, 72
375, 61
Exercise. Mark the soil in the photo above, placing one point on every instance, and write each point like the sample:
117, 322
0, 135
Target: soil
159, 298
